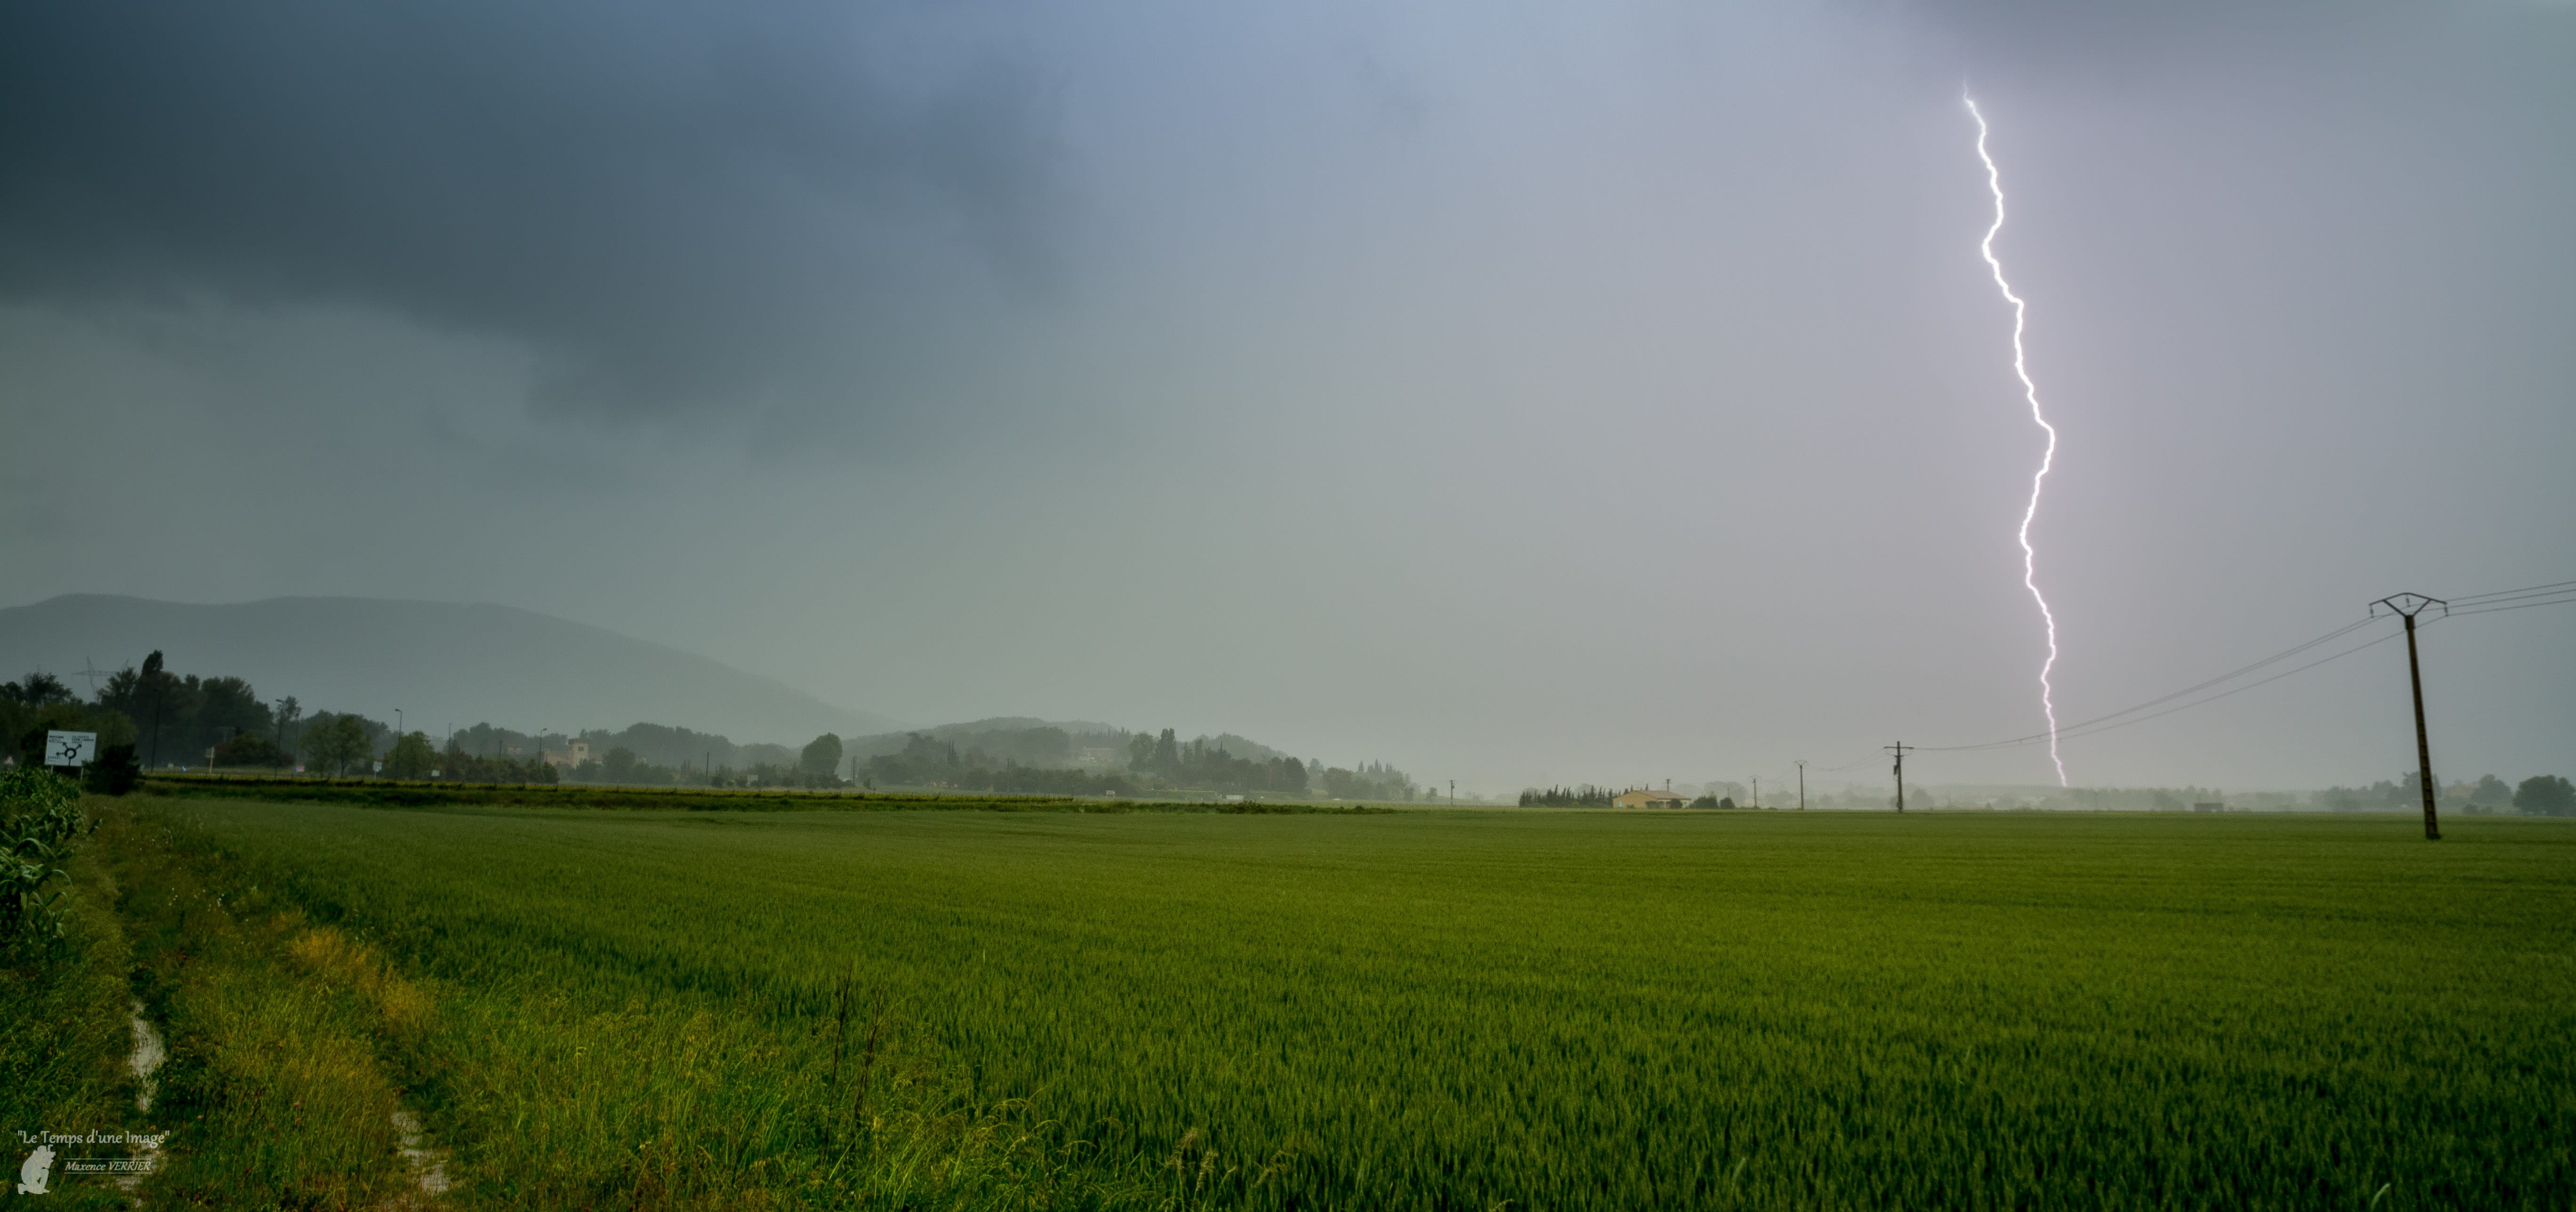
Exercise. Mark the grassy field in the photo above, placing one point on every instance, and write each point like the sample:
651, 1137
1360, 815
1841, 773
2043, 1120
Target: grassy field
390, 793
1441, 1009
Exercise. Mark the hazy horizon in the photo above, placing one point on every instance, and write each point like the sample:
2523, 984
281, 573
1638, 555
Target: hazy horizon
1518, 396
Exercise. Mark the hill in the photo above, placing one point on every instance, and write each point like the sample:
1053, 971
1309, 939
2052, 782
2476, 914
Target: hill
440, 662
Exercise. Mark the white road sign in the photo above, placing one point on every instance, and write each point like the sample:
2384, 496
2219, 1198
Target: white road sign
70, 748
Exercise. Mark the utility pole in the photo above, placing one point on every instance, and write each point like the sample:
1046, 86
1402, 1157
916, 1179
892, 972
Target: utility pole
1899, 749
2406, 606
1757, 789
152, 679
1802, 784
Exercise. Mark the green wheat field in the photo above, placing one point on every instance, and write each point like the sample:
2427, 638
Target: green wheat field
1433, 1009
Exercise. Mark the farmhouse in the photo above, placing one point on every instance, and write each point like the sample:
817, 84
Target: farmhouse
1650, 799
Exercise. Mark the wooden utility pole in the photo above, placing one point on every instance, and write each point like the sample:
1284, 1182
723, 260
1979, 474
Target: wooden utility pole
1802, 784
152, 679
1899, 749
2406, 606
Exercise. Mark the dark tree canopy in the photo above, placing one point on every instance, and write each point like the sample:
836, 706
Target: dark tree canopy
822, 757
37, 690
2546, 795
412, 757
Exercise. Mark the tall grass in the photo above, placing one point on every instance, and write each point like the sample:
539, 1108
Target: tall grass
300, 1051
63, 1022
274, 1091
1454, 1010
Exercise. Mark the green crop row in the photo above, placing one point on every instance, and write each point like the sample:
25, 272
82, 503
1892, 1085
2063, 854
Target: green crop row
1465, 1010
392, 793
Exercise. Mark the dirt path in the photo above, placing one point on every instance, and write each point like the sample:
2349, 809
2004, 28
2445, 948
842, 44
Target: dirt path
428, 1165
145, 1063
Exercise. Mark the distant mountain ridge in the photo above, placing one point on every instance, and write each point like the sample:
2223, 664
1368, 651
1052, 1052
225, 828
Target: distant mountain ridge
442, 663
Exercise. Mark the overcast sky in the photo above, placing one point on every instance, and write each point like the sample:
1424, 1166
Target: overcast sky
1513, 392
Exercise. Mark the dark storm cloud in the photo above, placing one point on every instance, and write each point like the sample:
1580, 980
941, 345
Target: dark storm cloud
673, 205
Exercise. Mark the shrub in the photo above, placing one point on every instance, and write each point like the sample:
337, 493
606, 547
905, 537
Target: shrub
252, 749
115, 770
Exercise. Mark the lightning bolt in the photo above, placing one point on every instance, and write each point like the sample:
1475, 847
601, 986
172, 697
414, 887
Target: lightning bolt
2030, 391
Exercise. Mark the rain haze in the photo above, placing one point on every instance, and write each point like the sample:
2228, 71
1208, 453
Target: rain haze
1515, 393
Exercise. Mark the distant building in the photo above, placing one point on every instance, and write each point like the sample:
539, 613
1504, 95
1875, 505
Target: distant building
2205, 806
1650, 799
576, 752
1100, 755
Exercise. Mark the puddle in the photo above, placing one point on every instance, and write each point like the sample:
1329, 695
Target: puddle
429, 1165
147, 1057
144, 1063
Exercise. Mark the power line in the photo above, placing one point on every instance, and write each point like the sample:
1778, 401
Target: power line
2250, 685
2229, 676
1871, 760
2516, 597
2195, 688
2558, 601
2089, 731
2563, 593
2558, 593
2554, 586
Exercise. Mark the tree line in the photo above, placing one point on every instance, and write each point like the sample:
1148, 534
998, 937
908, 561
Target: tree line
1155, 762
2539, 795
150, 717
1590, 796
